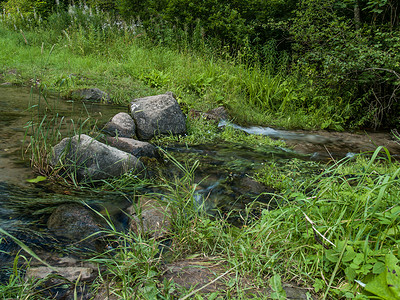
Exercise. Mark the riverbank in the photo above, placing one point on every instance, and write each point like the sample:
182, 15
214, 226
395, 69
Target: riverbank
125, 64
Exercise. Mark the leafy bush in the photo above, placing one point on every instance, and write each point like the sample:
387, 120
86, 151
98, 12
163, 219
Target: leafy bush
355, 62
235, 24
27, 13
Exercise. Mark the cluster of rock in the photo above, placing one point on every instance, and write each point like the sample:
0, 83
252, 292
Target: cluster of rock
90, 160
121, 150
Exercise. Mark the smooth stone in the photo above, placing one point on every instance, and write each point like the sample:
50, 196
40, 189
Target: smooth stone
121, 125
93, 160
134, 147
156, 115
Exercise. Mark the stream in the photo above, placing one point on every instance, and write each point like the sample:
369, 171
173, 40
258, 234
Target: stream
224, 175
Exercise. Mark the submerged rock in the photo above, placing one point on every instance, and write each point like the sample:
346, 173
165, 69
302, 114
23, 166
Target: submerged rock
134, 147
72, 273
74, 222
91, 94
151, 218
156, 115
121, 125
91, 160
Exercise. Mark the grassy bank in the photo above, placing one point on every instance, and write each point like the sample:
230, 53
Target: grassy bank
75, 50
328, 235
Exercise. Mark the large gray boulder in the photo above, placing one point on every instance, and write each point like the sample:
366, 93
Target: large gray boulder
91, 160
157, 115
121, 125
134, 147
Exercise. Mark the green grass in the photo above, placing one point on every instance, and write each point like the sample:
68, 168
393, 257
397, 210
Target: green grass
202, 131
325, 233
66, 56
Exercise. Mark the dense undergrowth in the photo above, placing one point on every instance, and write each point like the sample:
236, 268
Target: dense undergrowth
85, 48
331, 234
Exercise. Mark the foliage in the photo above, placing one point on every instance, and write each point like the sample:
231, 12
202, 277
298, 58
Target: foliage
132, 265
88, 47
203, 131
284, 176
27, 13
235, 23
342, 55
329, 228
387, 284
352, 57
331, 232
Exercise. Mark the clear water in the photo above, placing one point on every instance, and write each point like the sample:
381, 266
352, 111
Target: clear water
223, 177
24, 206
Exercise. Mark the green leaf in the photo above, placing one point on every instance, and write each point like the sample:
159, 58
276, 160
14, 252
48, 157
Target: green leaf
318, 285
37, 179
378, 286
332, 255
276, 285
391, 260
378, 268
393, 281
350, 273
349, 255
359, 258
387, 284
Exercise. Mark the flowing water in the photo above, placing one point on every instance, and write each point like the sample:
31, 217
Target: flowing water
224, 176
24, 206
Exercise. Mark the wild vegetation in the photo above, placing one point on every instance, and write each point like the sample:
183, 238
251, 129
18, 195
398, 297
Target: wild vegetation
309, 64
312, 64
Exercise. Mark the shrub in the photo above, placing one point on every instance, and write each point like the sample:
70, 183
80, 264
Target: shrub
353, 57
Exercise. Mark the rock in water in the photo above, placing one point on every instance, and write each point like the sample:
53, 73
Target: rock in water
150, 217
134, 147
92, 94
156, 115
121, 125
91, 160
75, 222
